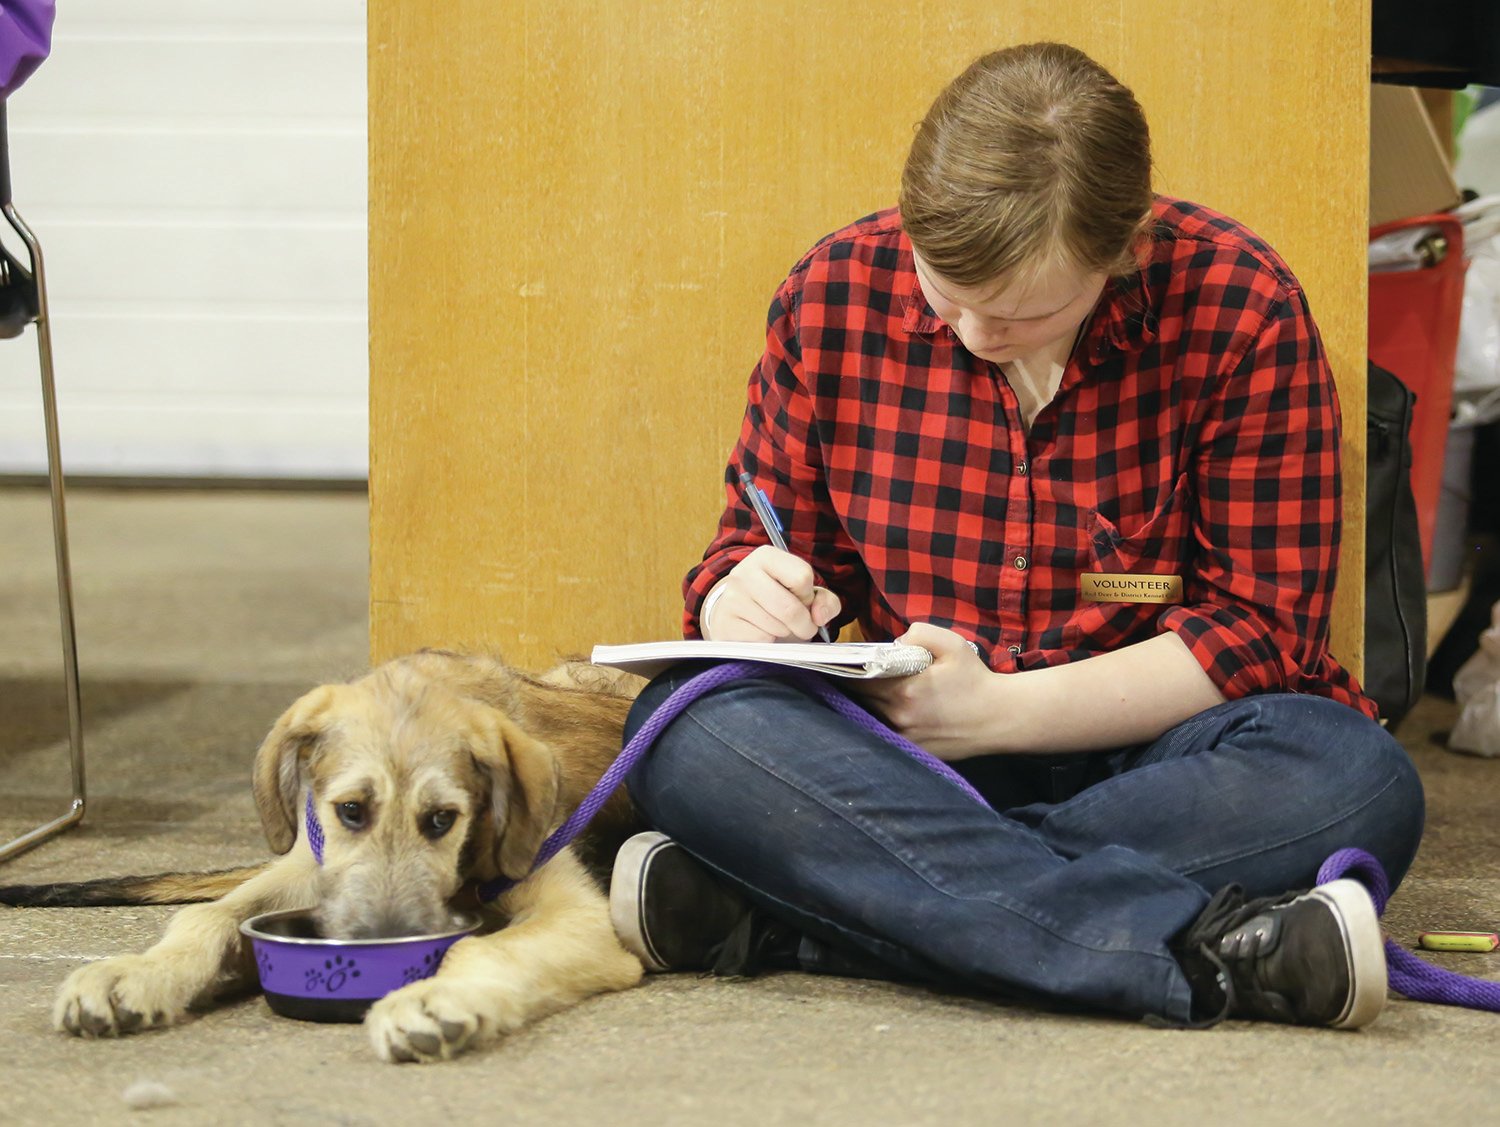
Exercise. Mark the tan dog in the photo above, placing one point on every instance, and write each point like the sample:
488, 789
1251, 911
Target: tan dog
431, 772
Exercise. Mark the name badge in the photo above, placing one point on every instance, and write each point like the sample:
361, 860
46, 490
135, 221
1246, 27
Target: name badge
1103, 587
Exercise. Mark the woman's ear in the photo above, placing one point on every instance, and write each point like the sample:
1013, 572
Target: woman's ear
278, 763
523, 776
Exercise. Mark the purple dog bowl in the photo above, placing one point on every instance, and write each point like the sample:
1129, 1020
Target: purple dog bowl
311, 978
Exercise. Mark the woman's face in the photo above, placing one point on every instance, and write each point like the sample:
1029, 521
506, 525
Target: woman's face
1001, 324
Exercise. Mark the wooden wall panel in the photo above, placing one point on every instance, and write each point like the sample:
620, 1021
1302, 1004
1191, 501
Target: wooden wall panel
579, 211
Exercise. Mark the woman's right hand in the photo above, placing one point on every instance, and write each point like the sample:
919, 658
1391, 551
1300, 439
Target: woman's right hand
770, 596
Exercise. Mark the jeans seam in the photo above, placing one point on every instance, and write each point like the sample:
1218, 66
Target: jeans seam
1050, 926
1344, 816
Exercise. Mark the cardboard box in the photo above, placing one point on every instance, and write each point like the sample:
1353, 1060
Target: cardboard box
1410, 172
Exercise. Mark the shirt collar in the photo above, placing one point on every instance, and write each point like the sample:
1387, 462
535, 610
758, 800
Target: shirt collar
1124, 320
919, 319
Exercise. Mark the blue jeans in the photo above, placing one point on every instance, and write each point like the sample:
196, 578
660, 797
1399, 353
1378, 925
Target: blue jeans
1068, 887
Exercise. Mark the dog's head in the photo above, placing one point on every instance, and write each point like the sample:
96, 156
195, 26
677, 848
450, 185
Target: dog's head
417, 788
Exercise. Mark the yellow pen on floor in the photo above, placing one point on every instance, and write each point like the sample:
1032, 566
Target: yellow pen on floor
1458, 940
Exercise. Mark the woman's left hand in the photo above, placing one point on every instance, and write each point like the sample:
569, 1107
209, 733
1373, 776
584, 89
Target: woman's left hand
949, 707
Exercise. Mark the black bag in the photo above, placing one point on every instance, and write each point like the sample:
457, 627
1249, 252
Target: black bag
1395, 583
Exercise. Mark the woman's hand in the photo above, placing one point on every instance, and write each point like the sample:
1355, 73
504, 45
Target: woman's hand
952, 708
770, 596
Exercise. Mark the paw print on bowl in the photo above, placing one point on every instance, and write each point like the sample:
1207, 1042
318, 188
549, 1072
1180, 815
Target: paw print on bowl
422, 970
340, 972
263, 961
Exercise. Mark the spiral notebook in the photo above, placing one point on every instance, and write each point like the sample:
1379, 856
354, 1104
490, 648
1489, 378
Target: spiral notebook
837, 659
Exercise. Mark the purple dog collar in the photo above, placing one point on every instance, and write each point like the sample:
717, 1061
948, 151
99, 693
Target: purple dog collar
314, 830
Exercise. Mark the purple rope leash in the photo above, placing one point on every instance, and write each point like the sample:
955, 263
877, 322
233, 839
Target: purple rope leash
1415, 978
685, 694
1408, 975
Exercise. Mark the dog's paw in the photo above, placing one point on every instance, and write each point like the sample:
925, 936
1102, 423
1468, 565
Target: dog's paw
125, 994
429, 1020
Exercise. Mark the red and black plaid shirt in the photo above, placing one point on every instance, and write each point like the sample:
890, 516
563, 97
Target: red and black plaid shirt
1195, 434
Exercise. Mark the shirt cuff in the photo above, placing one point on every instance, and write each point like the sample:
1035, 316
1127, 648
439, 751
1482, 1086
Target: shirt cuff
705, 613
1236, 649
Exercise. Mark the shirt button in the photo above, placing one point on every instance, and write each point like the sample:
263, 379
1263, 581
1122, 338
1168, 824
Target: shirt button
1021, 467
1020, 562
1015, 651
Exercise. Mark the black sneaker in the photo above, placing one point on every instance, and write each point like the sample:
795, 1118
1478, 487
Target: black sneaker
671, 913
1308, 958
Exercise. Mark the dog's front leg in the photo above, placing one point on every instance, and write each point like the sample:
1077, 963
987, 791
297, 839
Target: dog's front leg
201, 954
559, 948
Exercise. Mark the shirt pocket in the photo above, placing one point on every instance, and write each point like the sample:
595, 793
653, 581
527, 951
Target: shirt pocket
1160, 546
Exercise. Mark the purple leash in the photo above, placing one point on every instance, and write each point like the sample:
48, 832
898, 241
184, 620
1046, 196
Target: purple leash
1408, 975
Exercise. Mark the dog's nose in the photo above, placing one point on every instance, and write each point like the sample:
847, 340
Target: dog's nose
371, 925
402, 920
393, 925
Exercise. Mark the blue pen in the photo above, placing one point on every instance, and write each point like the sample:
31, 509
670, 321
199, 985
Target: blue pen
761, 504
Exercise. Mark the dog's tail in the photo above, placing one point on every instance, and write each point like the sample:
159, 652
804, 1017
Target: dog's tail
159, 888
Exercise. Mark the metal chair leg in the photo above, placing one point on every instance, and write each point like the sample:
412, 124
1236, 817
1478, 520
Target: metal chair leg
60, 541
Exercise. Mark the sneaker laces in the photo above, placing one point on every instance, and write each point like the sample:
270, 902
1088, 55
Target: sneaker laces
1226, 910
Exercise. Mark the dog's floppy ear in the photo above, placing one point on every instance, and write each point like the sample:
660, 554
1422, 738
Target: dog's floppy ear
523, 777
277, 764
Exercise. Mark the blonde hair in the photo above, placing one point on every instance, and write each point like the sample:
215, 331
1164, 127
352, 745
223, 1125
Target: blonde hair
1035, 155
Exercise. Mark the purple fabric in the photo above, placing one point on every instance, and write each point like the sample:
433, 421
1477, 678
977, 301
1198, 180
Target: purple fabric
25, 40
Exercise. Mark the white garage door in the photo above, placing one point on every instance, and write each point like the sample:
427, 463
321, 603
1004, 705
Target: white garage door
195, 172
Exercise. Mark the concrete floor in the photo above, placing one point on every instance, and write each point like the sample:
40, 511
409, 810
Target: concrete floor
202, 615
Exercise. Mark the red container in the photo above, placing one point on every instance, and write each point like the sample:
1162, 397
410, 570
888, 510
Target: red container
1414, 318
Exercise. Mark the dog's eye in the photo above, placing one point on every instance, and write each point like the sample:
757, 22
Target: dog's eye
436, 824
351, 814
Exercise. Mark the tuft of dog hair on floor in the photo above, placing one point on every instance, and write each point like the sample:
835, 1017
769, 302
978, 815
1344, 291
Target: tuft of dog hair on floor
146, 1094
